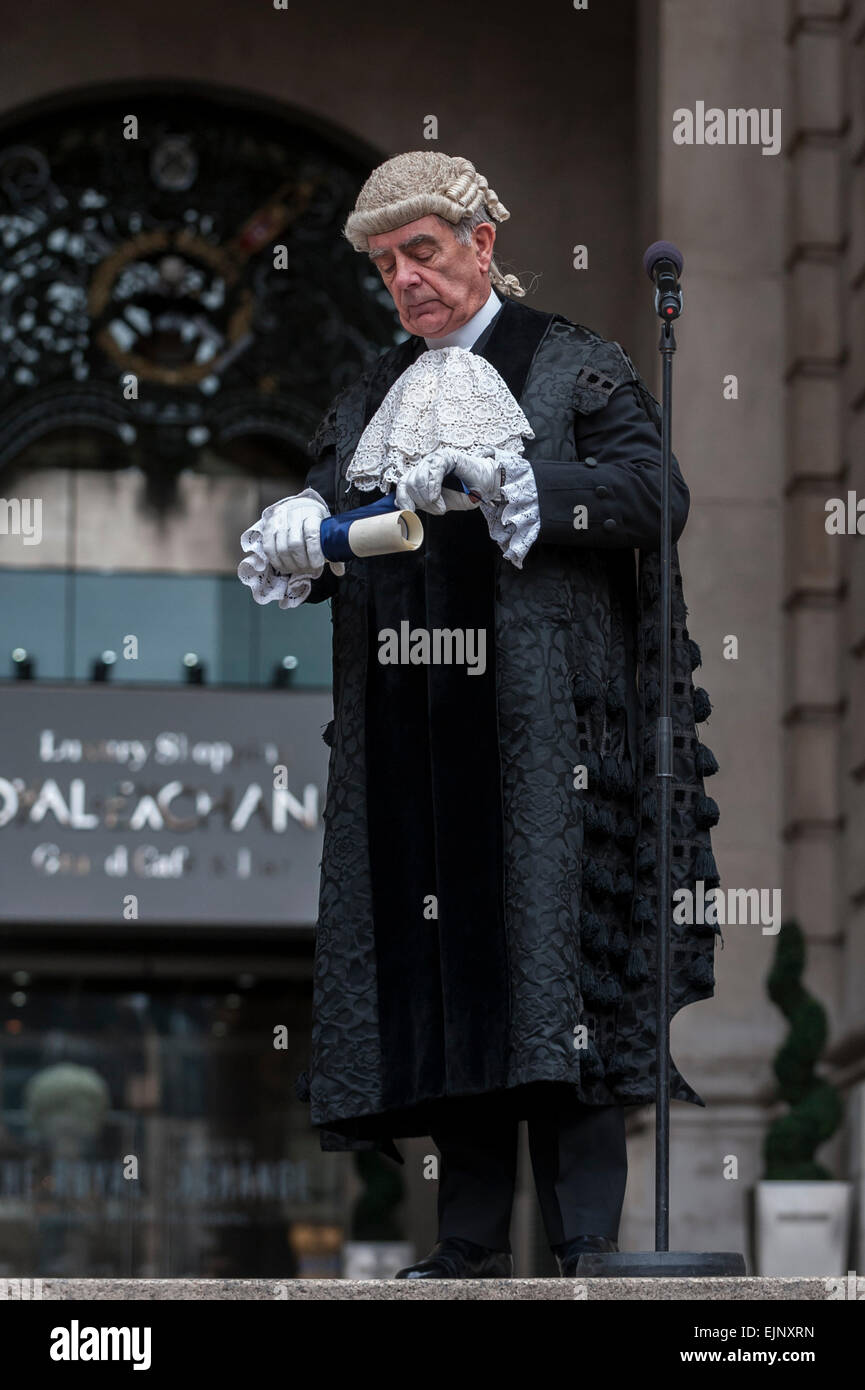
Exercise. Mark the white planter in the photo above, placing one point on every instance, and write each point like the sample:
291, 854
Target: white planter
802, 1228
375, 1259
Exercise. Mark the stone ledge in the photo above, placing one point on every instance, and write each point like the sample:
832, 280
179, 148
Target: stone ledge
744, 1290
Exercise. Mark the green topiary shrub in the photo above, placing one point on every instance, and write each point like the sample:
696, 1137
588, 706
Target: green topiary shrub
816, 1108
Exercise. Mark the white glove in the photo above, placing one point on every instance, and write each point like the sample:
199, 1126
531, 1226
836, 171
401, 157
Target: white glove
280, 550
481, 475
291, 535
421, 487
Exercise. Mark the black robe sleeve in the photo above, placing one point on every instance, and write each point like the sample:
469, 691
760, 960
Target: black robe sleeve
322, 477
617, 479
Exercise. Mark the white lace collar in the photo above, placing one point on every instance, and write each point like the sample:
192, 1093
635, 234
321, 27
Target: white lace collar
448, 396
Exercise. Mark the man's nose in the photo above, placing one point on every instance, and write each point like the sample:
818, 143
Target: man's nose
406, 275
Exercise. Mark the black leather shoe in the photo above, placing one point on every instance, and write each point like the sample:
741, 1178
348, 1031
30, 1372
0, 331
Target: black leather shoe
455, 1258
569, 1253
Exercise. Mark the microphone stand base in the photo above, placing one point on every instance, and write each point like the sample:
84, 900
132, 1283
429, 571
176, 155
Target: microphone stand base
661, 1264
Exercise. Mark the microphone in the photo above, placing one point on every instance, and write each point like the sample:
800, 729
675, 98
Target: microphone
663, 264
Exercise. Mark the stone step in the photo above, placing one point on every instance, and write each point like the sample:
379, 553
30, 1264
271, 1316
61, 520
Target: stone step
743, 1290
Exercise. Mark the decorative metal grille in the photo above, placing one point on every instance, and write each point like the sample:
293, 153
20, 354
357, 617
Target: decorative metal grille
143, 292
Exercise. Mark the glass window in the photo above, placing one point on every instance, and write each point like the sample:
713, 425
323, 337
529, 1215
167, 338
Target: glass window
156, 1134
66, 621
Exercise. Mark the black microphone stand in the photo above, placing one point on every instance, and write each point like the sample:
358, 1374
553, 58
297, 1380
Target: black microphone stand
663, 263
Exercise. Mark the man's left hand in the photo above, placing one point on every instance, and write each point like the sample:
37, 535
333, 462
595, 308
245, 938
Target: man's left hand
481, 476
421, 487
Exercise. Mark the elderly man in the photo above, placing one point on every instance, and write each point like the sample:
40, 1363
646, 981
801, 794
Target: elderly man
485, 947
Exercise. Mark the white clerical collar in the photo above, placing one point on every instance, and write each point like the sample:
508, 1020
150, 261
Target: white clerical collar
469, 333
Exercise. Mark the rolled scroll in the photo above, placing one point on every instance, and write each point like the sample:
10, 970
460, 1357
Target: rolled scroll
386, 534
379, 529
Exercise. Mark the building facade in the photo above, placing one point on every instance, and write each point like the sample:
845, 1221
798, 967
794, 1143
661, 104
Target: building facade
163, 372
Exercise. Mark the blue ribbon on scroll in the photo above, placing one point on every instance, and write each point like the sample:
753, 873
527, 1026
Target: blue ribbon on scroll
334, 529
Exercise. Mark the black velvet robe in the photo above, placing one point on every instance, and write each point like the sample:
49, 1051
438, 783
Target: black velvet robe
456, 789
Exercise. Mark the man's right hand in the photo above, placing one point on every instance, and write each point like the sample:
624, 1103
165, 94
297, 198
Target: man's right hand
292, 540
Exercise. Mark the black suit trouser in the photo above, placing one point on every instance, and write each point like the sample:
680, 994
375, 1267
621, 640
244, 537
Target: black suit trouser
579, 1162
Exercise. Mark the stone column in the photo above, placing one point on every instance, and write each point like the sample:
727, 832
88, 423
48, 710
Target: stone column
814, 560
825, 572
724, 205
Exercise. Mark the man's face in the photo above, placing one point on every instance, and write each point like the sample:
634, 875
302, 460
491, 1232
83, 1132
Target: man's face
436, 284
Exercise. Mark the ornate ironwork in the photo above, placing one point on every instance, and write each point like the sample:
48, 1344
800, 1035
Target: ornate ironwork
143, 291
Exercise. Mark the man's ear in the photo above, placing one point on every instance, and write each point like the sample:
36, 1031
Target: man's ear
484, 237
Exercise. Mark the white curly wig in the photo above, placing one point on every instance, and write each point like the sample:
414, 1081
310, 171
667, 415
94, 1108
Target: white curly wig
421, 183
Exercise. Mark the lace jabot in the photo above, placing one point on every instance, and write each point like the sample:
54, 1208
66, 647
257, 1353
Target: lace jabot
448, 396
